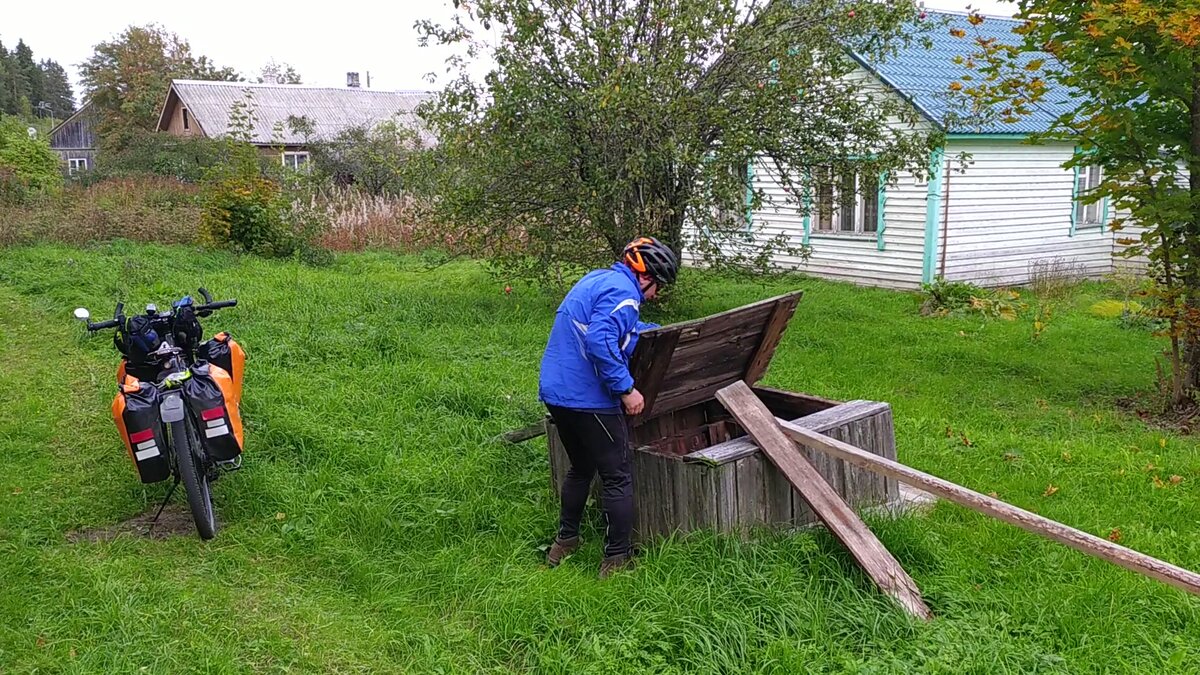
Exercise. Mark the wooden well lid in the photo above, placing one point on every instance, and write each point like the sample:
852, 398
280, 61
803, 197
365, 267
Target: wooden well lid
685, 363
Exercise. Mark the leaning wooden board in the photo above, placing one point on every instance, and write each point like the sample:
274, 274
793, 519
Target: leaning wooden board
872, 556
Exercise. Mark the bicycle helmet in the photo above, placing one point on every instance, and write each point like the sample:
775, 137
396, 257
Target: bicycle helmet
648, 255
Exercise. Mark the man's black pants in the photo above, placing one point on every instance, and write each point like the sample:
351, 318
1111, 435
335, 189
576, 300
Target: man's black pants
596, 442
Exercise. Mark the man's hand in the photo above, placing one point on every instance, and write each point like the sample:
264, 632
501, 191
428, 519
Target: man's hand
633, 402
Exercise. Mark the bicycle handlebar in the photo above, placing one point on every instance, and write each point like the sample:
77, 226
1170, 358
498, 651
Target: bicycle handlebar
220, 304
203, 310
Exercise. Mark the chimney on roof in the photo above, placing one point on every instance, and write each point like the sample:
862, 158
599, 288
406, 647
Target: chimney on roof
352, 80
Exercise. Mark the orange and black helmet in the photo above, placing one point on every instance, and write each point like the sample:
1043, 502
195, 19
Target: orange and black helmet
650, 256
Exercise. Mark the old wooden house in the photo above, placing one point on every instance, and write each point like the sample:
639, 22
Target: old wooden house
208, 109
74, 140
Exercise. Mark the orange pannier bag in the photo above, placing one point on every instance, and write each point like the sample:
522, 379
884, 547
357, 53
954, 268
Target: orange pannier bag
136, 414
225, 353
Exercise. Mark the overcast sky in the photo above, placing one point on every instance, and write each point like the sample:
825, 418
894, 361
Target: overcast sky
323, 45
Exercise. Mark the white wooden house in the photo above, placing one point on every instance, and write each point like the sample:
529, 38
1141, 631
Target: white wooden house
1013, 207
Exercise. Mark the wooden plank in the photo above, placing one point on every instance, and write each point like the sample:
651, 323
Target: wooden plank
860, 483
524, 433
725, 478
648, 378
1092, 545
821, 421
837, 516
771, 336
751, 492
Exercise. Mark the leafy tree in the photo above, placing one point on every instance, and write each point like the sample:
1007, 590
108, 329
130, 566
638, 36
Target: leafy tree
278, 73
1134, 69
601, 121
127, 79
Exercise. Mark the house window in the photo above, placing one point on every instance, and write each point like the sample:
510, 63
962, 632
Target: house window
296, 161
185, 120
76, 164
846, 202
1088, 215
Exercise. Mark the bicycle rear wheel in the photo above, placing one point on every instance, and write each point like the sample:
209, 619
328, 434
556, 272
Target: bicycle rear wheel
189, 458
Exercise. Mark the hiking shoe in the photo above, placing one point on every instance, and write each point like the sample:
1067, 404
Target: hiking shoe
560, 549
615, 563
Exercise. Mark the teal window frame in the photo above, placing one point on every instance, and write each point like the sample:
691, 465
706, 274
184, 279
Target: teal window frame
880, 220
1076, 226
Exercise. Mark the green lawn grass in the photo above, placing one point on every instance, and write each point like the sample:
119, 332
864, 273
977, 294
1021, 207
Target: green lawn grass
376, 528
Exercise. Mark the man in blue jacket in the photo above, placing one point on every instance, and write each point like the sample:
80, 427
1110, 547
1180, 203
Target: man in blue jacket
586, 385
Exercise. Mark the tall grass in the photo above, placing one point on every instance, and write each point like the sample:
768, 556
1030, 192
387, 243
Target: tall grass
377, 528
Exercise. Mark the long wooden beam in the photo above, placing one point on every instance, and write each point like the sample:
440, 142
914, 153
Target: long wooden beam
1076, 539
839, 518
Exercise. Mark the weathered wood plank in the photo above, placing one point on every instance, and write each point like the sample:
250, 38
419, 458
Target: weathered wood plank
751, 492
771, 336
821, 421
524, 433
650, 372
837, 516
1141, 563
727, 513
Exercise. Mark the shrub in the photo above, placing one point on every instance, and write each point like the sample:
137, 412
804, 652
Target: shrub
185, 159
946, 298
28, 167
244, 212
144, 208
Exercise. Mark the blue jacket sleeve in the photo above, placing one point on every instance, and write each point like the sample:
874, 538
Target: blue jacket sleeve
613, 317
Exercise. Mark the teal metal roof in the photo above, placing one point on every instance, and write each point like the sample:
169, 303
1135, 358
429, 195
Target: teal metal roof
923, 76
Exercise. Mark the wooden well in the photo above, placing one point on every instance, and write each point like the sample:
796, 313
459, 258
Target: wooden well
693, 466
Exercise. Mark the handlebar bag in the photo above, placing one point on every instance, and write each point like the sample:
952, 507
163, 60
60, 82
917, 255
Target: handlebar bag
217, 406
185, 325
225, 353
135, 411
136, 339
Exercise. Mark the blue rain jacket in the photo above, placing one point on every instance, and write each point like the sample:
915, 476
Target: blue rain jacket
586, 363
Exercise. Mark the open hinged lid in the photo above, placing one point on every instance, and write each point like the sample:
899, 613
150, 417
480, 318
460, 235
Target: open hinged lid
685, 363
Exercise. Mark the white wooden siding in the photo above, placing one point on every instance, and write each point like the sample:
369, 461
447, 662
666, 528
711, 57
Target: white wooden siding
1011, 208
854, 258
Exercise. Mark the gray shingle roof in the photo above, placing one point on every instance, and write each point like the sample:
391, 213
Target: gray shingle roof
329, 109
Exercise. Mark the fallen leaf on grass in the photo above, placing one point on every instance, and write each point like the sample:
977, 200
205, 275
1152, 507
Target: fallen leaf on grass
1176, 480
966, 441
280, 516
1121, 472
41, 641
1158, 483
1162, 442
994, 495
1050, 490
1012, 456
17, 491
1066, 457
1150, 467
1114, 535
1041, 403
